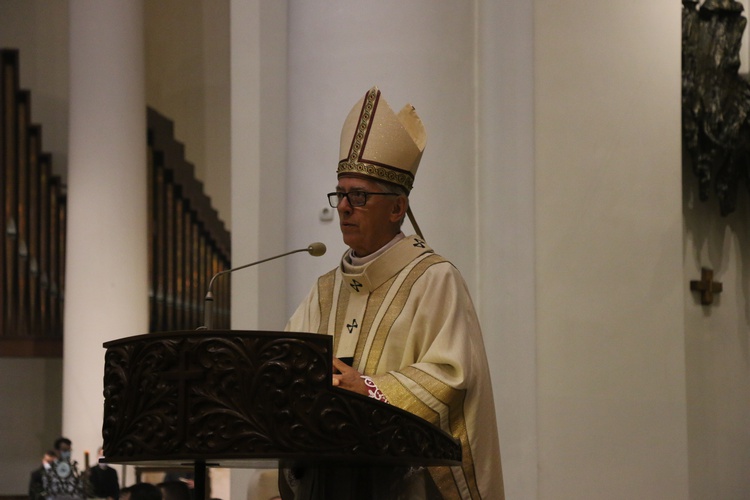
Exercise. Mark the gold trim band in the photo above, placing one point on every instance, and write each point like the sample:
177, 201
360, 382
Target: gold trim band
379, 172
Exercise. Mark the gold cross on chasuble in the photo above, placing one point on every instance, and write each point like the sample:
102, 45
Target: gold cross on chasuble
355, 311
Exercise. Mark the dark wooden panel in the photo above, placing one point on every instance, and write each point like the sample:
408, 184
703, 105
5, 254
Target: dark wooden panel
45, 243
229, 397
190, 243
32, 251
34, 224
10, 190
22, 325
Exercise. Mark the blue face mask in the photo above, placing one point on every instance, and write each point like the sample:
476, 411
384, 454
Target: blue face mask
65, 455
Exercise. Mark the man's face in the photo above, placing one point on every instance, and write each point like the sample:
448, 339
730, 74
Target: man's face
63, 451
366, 229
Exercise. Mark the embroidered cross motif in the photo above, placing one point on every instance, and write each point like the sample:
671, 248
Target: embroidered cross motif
355, 284
419, 243
352, 326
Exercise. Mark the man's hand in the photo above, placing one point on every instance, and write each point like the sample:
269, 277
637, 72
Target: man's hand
348, 378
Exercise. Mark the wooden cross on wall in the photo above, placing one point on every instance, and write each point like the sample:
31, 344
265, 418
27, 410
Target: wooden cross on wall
706, 286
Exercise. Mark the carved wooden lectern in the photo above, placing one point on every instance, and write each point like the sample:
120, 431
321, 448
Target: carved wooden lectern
250, 399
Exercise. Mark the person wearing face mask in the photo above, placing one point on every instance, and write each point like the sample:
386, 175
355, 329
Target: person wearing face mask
103, 481
63, 447
64, 480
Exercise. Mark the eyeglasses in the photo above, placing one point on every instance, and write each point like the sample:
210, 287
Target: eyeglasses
356, 198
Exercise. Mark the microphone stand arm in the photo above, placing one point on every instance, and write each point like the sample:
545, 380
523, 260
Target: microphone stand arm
208, 307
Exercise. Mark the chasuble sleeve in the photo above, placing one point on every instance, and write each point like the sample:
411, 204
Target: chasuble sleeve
443, 376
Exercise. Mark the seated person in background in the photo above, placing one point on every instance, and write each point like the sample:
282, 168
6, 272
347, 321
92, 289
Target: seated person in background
141, 491
103, 480
175, 490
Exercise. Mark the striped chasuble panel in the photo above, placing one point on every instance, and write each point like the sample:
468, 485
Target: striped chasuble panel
407, 320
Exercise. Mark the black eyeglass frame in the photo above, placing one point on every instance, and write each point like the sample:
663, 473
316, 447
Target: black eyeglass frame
335, 198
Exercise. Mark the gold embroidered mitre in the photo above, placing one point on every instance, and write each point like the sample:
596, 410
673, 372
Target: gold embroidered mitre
378, 143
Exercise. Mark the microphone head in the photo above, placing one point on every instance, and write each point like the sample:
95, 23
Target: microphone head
316, 249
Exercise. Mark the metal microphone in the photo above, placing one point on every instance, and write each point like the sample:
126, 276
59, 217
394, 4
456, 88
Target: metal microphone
315, 249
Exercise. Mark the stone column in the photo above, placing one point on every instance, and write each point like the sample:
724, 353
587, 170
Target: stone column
258, 157
106, 267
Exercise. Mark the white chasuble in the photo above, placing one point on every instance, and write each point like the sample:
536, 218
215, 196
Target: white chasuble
407, 321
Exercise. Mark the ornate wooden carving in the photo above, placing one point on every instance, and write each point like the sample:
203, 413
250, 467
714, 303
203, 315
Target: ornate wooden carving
231, 398
715, 99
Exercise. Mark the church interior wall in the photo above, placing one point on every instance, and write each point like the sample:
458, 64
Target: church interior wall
609, 278
505, 195
187, 80
31, 395
39, 30
717, 338
31, 388
717, 345
259, 158
626, 384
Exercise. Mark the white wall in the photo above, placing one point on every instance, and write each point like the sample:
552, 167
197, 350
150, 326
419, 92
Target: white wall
187, 75
258, 119
610, 289
718, 347
506, 299
39, 30
717, 341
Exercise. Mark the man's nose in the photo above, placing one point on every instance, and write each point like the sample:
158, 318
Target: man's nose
344, 205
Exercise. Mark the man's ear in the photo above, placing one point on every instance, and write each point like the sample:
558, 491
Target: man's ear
398, 210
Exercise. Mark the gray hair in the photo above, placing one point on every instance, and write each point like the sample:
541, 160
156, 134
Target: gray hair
387, 187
